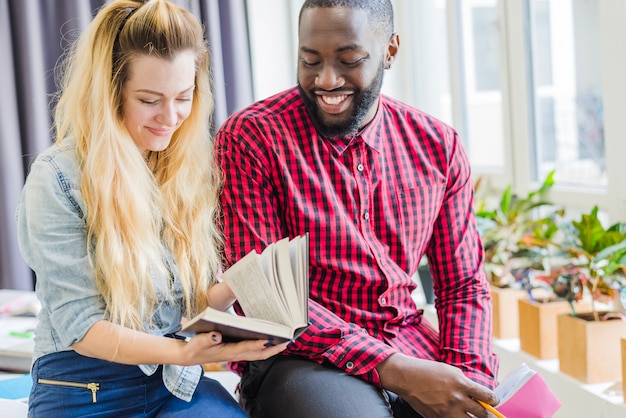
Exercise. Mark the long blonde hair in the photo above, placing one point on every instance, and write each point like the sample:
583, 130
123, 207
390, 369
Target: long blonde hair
136, 204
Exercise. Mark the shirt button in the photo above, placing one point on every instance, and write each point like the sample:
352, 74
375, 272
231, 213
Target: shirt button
359, 167
383, 301
366, 215
349, 365
152, 327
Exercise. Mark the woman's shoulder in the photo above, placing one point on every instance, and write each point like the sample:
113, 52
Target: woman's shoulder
58, 164
55, 175
60, 155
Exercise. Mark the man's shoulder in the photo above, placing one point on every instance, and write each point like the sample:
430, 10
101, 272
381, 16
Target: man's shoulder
274, 106
405, 110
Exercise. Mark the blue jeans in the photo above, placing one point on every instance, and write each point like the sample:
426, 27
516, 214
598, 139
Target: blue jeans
124, 391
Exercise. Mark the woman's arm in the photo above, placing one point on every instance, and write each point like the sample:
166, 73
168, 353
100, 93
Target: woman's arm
115, 343
220, 296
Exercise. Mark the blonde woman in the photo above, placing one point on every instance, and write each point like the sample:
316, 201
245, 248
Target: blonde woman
117, 222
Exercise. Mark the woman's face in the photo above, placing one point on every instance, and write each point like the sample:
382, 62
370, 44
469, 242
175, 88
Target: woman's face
158, 98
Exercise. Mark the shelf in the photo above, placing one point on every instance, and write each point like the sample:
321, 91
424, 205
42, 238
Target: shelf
601, 400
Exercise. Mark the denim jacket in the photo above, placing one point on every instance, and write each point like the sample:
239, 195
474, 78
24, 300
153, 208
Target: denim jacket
51, 223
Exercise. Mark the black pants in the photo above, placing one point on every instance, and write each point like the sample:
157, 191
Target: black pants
293, 387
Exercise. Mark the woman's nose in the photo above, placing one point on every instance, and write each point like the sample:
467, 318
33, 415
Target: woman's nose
168, 114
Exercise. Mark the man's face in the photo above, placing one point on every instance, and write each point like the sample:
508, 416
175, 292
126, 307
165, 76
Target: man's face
340, 68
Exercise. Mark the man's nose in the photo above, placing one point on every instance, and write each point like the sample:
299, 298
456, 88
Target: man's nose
329, 78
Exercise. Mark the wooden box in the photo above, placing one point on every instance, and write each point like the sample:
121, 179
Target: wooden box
505, 311
590, 350
538, 326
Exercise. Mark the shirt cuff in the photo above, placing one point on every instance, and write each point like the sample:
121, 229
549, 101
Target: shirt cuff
359, 355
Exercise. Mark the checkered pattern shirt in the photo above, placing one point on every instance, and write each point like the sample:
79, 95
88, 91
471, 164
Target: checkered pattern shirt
372, 206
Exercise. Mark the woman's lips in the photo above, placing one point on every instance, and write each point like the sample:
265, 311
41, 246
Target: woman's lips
161, 132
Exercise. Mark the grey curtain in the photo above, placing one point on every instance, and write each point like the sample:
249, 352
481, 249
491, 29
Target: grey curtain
33, 35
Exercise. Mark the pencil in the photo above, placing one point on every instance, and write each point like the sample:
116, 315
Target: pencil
490, 408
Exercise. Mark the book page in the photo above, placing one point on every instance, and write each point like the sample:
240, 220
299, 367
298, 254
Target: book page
302, 268
298, 256
253, 289
286, 282
513, 381
269, 264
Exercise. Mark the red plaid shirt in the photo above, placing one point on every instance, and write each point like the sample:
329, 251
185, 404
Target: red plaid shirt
372, 207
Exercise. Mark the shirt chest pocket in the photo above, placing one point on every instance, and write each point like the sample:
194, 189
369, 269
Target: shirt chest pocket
416, 209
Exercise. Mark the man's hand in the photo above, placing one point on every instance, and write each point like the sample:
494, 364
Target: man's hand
434, 389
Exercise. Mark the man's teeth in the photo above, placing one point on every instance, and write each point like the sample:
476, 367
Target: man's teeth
333, 100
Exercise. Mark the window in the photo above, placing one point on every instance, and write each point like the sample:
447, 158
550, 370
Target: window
479, 71
566, 84
421, 76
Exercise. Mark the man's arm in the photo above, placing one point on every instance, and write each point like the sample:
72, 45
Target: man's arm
463, 300
433, 388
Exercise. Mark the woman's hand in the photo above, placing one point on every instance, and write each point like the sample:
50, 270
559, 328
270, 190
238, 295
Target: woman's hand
208, 348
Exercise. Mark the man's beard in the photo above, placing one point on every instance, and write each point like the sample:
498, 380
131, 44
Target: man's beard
362, 102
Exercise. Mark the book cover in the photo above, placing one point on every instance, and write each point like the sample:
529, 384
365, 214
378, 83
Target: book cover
524, 394
15, 386
237, 328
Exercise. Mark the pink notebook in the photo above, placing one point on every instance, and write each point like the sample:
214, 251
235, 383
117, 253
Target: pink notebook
524, 394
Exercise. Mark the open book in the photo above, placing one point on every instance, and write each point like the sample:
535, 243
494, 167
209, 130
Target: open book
524, 394
272, 289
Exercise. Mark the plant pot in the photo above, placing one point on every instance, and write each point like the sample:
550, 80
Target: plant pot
505, 311
538, 326
590, 350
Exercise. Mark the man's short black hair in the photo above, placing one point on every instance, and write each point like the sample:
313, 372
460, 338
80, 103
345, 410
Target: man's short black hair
380, 11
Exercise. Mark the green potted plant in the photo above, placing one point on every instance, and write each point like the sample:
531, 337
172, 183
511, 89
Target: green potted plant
553, 293
588, 342
552, 285
504, 229
600, 255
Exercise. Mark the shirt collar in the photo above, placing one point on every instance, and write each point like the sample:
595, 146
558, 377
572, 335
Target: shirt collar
370, 134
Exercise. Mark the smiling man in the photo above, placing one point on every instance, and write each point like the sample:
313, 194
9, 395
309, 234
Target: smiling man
376, 184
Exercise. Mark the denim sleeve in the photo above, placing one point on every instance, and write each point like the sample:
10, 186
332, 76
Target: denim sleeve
52, 239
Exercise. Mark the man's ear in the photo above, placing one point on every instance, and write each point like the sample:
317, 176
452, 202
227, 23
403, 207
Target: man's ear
391, 50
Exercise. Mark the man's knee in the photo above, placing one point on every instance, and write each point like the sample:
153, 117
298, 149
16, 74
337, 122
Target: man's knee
297, 387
